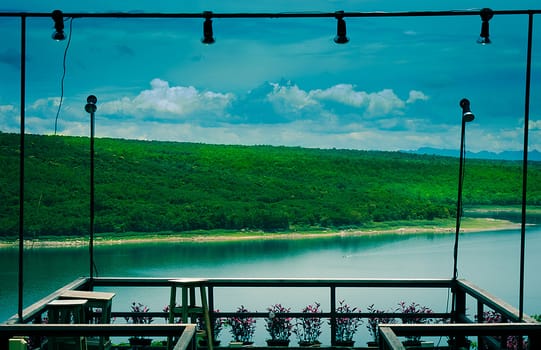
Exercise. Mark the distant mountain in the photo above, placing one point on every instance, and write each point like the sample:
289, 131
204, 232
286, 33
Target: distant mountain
506, 155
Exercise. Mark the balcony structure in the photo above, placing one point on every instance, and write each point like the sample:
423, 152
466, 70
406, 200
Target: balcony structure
456, 324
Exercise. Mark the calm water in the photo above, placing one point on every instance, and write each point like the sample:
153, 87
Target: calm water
489, 259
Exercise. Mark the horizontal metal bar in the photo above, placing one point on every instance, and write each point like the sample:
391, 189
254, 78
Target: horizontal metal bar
465, 329
131, 281
398, 315
322, 282
279, 283
270, 14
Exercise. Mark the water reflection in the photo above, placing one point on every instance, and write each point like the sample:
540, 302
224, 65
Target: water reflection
386, 256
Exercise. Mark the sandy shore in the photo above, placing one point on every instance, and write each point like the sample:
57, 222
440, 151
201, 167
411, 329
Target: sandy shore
481, 225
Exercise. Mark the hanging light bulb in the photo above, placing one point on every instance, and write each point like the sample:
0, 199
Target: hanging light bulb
341, 32
486, 15
58, 19
208, 35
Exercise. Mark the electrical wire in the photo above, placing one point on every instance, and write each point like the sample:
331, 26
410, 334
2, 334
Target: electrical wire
459, 220
63, 76
463, 156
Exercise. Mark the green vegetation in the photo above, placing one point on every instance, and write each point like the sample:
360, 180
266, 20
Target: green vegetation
146, 186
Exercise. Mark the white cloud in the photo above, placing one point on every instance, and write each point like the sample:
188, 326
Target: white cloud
43, 104
383, 103
9, 118
535, 125
343, 93
166, 101
416, 96
7, 108
291, 98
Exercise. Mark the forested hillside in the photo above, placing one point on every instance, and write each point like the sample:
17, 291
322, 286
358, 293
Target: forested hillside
164, 186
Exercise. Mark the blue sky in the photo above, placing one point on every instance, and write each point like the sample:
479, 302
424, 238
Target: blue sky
395, 86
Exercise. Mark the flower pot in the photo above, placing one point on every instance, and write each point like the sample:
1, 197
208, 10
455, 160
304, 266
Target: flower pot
203, 342
140, 341
454, 345
278, 342
235, 344
411, 342
344, 343
372, 344
313, 344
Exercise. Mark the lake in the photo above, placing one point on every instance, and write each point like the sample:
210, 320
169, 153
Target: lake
489, 259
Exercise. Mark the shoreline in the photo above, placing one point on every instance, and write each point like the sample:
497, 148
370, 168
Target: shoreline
487, 224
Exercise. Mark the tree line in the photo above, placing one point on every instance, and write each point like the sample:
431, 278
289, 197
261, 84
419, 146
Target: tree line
151, 186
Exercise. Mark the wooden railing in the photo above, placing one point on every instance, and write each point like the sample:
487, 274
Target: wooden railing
185, 333
389, 333
462, 291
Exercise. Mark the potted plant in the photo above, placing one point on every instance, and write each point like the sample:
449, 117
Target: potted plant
308, 328
278, 326
411, 310
242, 327
511, 342
139, 318
217, 326
346, 327
373, 323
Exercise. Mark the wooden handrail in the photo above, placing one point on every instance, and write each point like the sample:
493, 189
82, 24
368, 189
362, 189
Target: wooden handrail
461, 287
184, 332
492, 301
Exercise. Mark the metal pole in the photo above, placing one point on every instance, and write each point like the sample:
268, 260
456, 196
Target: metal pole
90, 107
21, 166
525, 164
459, 200
467, 116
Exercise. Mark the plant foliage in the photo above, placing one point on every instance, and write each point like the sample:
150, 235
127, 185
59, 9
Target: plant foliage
241, 327
277, 325
308, 328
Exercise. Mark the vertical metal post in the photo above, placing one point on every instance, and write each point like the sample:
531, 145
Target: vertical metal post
333, 315
525, 164
480, 319
467, 116
454, 289
21, 166
91, 108
459, 200
211, 311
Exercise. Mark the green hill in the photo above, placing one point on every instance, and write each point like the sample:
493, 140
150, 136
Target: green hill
146, 186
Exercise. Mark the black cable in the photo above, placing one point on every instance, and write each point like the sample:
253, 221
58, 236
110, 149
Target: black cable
63, 76
462, 176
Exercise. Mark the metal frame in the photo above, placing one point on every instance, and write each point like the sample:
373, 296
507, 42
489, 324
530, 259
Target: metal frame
24, 15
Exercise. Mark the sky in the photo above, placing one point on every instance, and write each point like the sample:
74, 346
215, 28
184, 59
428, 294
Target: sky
276, 81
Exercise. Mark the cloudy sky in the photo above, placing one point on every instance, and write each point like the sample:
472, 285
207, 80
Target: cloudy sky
395, 86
